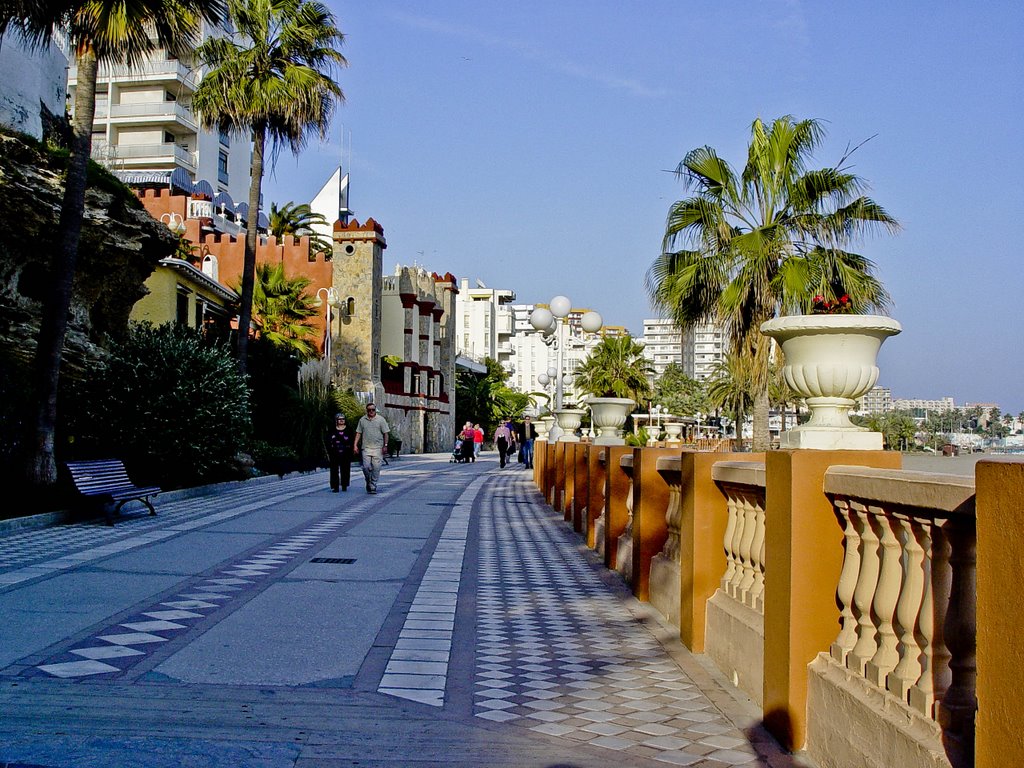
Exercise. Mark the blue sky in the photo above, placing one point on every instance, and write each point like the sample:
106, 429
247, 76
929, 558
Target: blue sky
526, 145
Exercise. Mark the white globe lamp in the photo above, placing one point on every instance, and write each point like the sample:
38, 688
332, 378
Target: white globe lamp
591, 322
560, 306
541, 318
543, 379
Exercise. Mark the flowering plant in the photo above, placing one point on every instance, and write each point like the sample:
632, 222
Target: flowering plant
822, 306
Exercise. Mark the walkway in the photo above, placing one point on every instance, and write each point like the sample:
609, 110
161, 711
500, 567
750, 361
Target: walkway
451, 620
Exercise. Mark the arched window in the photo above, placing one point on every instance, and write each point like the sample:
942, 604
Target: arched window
210, 267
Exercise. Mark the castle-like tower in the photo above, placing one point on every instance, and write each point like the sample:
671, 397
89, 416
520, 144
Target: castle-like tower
356, 330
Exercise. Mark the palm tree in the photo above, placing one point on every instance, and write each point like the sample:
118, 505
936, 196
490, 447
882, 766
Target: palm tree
731, 388
284, 309
97, 31
298, 220
277, 85
765, 242
616, 367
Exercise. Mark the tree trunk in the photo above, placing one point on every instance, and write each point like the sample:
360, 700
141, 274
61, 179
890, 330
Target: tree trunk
42, 465
249, 262
762, 435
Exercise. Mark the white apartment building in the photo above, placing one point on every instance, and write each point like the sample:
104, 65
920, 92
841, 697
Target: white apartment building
144, 128
878, 400
698, 349
484, 323
920, 406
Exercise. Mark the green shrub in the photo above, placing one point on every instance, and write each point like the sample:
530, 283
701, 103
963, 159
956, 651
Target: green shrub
172, 405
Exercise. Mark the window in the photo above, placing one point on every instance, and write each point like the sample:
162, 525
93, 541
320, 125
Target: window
181, 313
222, 167
225, 138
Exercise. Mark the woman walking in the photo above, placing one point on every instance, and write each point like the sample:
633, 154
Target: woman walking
502, 436
339, 453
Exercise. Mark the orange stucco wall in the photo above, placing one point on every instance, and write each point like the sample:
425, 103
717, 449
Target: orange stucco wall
1000, 619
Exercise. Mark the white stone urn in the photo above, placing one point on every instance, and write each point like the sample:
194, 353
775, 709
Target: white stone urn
543, 426
609, 414
569, 420
673, 432
830, 362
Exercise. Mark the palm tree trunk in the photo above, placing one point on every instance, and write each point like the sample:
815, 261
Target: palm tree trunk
762, 435
249, 261
42, 466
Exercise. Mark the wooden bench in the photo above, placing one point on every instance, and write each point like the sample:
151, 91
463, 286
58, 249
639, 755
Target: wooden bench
107, 480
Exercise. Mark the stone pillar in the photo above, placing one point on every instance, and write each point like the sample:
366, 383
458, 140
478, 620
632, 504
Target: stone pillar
803, 557
596, 476
650, 502
999, 501
615, 512
579, 486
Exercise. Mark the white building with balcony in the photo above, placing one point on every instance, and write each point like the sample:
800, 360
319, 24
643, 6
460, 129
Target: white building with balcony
144, 128
483, 323
697, 350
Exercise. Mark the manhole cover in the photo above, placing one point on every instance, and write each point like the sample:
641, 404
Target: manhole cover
334, 560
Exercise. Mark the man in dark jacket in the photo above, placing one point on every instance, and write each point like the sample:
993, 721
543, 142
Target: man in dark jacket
526, 433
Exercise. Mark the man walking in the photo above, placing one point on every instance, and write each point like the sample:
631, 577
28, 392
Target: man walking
526, 433
371, 443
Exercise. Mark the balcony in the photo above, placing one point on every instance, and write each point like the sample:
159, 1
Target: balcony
870, 611
120, 156
149, 71
152, 113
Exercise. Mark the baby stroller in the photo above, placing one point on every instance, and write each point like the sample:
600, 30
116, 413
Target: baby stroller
457, 457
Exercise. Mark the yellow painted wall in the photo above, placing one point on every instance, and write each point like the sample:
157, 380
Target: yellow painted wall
160, 305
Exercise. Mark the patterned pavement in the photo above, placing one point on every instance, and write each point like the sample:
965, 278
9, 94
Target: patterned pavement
557, 648
560, 653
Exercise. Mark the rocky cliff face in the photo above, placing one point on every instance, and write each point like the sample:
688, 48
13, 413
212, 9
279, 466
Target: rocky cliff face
121, 245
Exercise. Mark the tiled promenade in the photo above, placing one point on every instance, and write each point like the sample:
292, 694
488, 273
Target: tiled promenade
450, 620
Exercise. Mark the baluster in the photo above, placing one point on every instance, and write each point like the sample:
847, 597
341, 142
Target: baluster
960, 702
746, 549
864, 594
737, 537
935, 672
629, 507
908, 610
673, 519
730, 530
886, 595
757, 555
847, 637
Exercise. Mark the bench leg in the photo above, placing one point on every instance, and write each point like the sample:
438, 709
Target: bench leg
148, 503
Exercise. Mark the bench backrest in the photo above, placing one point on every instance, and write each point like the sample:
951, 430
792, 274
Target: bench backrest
94, 477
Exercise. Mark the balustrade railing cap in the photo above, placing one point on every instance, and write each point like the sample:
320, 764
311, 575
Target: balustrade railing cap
669, 464
922, 490
626, 461
739, 473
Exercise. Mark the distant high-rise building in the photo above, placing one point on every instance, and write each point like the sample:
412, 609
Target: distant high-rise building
877, 400
697, 350
146, 133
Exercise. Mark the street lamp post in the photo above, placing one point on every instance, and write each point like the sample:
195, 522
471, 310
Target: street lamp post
331, 300
551, 321
174, 223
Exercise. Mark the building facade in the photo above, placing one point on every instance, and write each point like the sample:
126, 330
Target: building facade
144, 127
698, 349
33, 85
484, 323
877, 400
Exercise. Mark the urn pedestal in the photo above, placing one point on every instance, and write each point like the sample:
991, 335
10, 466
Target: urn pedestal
830, 362
609, 415
569, 420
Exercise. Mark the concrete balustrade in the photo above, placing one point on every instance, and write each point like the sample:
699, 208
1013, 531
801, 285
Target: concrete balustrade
907, 584
835, 589
735, 613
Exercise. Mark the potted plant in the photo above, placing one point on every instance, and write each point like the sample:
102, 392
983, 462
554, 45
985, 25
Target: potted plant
615, 378
830, 361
